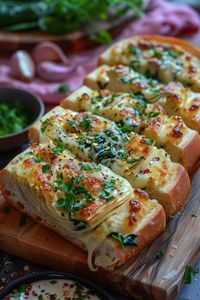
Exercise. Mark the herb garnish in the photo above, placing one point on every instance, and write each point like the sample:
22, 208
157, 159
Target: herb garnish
108, 186
159, 254
153, 114
72, 123
135, 159
86, 122
148, 141
44, 125
109, 100
128, 240
60, 147
187, 277
62, 88
46, 168
14, 116
71, 190
22, 289
134, 50
90, 167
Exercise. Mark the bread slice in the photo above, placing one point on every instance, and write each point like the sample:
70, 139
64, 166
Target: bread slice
157, 58
33, 188
132, 156
132, 113
174, 97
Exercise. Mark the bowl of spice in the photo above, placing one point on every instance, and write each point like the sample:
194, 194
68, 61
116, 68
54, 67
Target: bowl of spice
18, 111
49, 285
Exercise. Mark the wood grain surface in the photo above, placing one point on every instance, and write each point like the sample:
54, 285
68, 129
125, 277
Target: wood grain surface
146, 277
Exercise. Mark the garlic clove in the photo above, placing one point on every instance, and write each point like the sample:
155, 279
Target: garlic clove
51, 71
48, 51
22, 66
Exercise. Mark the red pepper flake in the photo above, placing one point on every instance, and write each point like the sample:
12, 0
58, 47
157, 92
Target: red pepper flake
134, 205
132, 219
146, 171
141, 194
195, 105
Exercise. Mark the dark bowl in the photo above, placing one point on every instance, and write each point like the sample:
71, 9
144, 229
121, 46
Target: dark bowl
53, 275
33, 103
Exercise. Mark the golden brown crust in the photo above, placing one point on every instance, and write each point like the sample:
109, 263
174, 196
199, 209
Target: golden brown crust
155, 224
103, 59
173, 199
186, 152
191, 152
146, 234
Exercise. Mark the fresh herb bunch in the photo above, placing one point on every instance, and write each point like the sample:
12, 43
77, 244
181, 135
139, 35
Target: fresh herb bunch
61, 16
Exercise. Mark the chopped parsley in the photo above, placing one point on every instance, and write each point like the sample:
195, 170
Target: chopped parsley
153, 114
187, 277
159, 254
108, 187
194, 216
110, 99
46, 168
62, 88
72, 123
37, 159
44, 125
149, 141
142, 102
135, 159
90, 167
14, 116
126, 128
71, 189
22, 289
60, 147
134, 50
128, 240
126, 79
137, 110
86, 122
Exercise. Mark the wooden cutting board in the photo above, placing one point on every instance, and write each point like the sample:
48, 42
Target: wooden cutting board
146, 277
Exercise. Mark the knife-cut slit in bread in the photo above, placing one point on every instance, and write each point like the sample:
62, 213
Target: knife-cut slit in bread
134, 114
174, 97
85, 203
130, 155
157, 58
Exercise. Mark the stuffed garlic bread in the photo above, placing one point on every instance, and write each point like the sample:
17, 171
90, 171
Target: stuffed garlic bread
174, 97
86, 203
132, 113
156, 59
130, 155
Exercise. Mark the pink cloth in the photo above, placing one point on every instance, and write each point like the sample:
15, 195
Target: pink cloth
161, 17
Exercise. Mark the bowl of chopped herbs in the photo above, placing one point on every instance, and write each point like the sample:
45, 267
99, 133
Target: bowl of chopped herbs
18, 111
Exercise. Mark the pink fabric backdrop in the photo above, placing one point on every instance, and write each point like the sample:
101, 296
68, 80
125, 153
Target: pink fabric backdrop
161, 17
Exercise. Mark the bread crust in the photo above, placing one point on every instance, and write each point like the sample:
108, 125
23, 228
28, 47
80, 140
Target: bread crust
155, 224
106, 59
173, 195
149, 231
187, 152
174, 198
